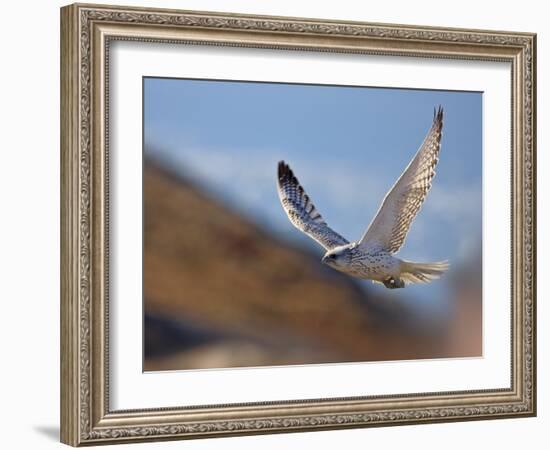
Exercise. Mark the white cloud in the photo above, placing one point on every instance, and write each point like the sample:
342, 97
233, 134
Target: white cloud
347, 196
455, 203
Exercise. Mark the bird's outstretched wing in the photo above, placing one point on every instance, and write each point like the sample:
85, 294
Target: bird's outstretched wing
390, 226
301, 212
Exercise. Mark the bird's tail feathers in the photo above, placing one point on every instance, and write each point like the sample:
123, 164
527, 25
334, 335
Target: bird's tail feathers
412, 272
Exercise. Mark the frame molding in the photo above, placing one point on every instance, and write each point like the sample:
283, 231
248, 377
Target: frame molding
86, 31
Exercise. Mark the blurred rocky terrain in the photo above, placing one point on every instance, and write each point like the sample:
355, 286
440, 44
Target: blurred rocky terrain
220, 291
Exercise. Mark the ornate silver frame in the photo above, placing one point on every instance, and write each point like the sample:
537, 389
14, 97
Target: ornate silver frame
86, 31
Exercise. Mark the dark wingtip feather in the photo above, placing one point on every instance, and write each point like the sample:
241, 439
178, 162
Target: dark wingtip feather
438, 116
282, 169
285, 173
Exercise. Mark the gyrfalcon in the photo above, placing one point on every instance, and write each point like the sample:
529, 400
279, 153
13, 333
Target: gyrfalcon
372, 256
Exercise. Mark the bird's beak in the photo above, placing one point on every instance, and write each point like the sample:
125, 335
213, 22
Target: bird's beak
324, 259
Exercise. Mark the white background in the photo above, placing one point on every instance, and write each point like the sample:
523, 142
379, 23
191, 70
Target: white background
29, 237
133, 389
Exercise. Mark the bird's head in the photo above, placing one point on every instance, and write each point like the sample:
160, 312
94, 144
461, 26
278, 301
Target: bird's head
337, 258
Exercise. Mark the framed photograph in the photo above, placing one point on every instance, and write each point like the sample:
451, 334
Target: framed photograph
276, 224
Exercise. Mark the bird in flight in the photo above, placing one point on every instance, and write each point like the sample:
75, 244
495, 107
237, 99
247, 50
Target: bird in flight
372, 257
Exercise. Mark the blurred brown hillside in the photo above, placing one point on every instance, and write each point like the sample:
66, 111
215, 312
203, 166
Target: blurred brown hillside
219, 291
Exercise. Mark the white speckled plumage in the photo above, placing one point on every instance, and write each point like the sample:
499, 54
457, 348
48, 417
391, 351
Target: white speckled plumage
372, 256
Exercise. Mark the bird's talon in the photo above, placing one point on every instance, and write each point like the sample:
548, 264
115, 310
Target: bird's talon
392, 283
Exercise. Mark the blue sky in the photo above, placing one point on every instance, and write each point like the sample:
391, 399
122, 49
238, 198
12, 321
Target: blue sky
347, 146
